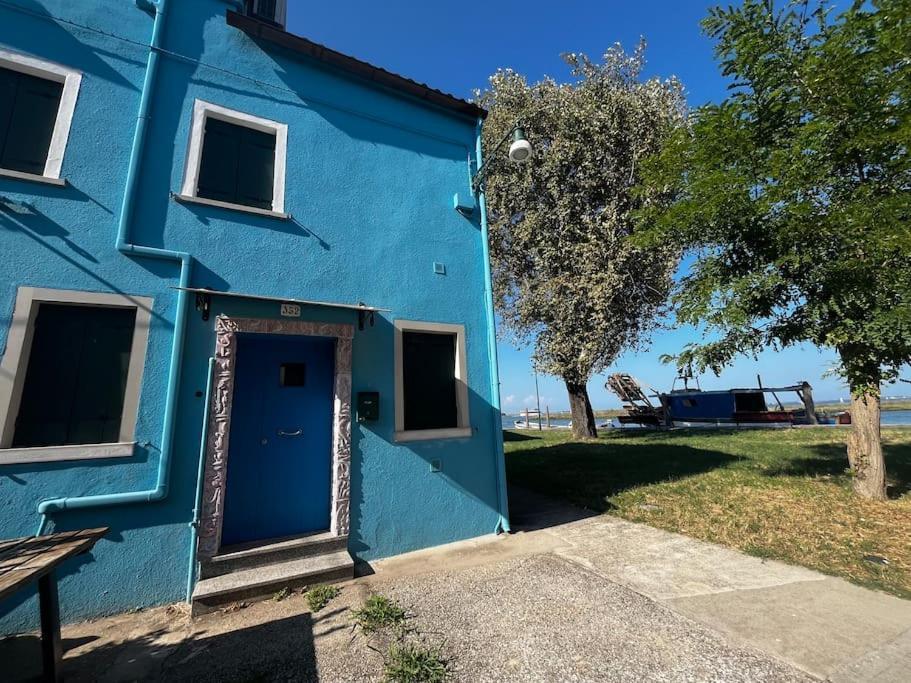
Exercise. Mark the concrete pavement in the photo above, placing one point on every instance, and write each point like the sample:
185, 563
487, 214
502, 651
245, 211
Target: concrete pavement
821, 625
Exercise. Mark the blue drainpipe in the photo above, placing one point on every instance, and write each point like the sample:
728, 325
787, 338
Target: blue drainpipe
197, 505
503, 524
160, 491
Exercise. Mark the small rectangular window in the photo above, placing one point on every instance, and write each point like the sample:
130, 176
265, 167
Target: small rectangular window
76, 378
28, 115
429, 378
293, 374
237, 164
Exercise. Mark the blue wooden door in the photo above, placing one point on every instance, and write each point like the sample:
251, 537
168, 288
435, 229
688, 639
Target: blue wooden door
280, 451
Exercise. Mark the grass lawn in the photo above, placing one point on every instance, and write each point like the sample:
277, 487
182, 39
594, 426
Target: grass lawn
782, 494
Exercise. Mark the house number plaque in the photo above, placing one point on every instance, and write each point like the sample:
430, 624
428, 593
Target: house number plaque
291, 311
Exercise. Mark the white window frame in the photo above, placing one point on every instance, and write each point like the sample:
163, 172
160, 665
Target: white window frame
71, 80
202, 111
14, 365
463, 430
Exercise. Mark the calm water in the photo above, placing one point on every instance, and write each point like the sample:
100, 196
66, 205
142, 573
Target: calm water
889, 417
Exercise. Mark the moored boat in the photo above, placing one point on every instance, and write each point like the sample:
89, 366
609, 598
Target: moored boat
689, 407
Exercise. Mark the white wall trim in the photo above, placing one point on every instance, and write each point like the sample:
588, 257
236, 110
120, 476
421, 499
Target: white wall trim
14, 364
203, 110
22, 456
71, 80
463, 430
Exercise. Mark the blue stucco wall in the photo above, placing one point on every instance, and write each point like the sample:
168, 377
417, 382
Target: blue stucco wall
370, 180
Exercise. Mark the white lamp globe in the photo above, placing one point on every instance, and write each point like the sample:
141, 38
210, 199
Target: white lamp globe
520, 150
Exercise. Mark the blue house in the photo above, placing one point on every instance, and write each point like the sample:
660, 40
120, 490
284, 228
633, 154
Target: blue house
245, 308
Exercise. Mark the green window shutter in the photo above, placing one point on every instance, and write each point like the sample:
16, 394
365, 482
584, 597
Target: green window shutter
9, 82
256, 169
76, 377
429, 382
238, 165
33, 103
218, 167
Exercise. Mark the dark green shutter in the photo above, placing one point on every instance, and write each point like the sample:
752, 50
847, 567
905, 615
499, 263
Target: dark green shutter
265, 9
256, 169
30, 106
218, 168
238, 165
429, 383
9, 81
76, 378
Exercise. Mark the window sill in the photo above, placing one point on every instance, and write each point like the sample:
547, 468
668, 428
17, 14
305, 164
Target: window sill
32, 177
38, 454
187, 199
429, 434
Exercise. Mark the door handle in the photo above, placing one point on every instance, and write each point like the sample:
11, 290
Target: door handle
282, 432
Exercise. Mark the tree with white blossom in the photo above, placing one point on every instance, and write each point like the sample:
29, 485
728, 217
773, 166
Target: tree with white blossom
565, 274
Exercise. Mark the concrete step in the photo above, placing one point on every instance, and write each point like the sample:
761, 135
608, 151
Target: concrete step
259, 554
261, 582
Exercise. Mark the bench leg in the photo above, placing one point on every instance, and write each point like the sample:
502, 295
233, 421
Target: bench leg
51, 646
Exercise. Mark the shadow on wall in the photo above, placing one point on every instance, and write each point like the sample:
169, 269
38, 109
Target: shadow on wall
282, 649
60, 45
333, 101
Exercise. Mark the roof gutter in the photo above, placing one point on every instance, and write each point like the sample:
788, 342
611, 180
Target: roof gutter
123, 244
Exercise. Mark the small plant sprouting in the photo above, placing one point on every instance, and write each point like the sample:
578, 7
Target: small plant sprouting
282, 594
319, 596
378, 612
415, 663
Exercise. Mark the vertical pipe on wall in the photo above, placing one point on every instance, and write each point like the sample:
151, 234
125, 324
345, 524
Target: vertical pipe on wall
497, 431
123, 245
197, 504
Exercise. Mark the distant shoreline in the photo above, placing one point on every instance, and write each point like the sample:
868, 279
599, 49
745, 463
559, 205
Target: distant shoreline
821, 407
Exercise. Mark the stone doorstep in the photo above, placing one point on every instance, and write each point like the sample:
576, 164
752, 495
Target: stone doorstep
250, 555
261, 582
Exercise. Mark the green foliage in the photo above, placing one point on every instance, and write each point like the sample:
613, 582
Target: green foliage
414, 663
379, 612
795, 191
564, 273
319, 596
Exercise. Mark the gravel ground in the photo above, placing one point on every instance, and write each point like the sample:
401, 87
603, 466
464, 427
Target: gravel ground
544, 618
533, 618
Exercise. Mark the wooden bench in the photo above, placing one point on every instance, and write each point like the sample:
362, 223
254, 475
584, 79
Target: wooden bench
24, 560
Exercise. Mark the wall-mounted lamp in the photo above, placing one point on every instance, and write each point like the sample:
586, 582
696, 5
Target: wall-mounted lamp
204, 304
520, 151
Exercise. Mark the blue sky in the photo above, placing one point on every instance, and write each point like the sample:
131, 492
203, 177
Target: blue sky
455, 48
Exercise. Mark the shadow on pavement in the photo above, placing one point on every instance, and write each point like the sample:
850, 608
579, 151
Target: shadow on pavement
530, 511
277, 650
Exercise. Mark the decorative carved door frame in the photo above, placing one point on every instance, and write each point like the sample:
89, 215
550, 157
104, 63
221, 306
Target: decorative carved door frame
219, 427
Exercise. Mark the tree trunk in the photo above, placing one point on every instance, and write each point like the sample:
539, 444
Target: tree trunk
581, 409
865, 451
